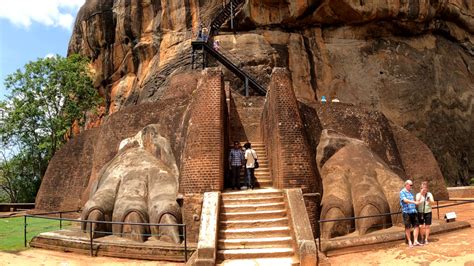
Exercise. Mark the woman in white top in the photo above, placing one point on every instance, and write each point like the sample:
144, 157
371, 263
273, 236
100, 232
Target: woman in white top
250, 158
425, 199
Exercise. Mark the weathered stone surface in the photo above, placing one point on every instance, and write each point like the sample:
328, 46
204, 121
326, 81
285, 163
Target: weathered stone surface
392, 55
369, 126
419, 163
139, 185
357, 182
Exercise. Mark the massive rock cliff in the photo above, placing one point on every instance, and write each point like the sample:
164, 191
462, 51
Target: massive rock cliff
411, 60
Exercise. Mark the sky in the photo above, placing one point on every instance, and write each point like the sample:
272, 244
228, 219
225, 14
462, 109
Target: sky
32, 29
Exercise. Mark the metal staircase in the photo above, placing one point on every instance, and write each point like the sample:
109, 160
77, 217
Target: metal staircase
230, 9
205, 47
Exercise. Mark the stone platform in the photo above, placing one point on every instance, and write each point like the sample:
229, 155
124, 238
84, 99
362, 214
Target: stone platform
381, 239
68, 240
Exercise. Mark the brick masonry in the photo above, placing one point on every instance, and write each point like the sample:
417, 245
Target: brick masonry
202, 167
291, 161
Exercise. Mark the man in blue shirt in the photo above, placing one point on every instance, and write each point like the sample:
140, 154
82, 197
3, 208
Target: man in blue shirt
410, 217
236, 160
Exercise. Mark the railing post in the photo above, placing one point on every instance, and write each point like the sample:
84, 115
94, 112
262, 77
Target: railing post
91, 238
60, 221
24, 230
231, 15
437, 207
246, 87
319, 237
192, 59
185, 246
203, 57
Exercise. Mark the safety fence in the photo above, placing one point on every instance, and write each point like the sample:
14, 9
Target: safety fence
387, 216
15, 230
14, 234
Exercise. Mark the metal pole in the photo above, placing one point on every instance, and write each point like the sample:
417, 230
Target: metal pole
185, 246
91, 238
246, 87
319, 238
231, 15
24, 230
203, 57
192, 59
437, 207
60, 221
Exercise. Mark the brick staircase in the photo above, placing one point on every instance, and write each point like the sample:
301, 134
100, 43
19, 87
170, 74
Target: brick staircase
254, 228
262, 174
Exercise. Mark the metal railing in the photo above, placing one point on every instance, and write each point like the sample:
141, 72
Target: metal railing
320, 222
91, 230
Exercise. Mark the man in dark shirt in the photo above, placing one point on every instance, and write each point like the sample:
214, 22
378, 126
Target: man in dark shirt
236, 159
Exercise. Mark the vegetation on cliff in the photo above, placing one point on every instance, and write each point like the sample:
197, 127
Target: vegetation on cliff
46, 99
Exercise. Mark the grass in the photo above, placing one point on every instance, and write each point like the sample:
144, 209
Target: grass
12, 231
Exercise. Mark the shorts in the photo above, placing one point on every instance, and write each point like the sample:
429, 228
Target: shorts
410, 220
425, 218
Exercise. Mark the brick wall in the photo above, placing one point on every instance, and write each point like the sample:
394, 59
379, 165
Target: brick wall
202, 167
68, 174
292, 163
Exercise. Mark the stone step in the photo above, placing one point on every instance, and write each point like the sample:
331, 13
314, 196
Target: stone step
261, 193
254, 253
244, 243
283, 261
260, 171
253, 207
253, 200
257, 171
232, 216
263, 232
236, 224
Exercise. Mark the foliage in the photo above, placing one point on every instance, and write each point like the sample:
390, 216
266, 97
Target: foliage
46, 100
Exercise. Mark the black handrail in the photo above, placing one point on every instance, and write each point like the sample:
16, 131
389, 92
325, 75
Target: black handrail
231, 66
459, 202
91, 231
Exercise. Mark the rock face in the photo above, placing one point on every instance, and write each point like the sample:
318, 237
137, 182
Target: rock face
411, 60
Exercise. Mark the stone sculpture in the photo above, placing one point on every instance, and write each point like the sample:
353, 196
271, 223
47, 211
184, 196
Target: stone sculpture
139, 185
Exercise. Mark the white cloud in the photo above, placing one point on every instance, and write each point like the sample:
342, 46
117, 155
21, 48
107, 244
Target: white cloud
50, 55
54, 13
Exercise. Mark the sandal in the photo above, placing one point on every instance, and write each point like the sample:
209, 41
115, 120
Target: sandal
417, 244
410, 246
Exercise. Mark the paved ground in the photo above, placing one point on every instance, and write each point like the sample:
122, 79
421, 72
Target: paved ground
43, 257
454, 248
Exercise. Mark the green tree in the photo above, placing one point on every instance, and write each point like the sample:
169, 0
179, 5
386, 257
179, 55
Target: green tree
47, 98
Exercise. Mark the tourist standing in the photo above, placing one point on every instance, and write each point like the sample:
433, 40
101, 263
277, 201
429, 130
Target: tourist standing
250, 159
205, 34
236, 160
410, 217
424, 211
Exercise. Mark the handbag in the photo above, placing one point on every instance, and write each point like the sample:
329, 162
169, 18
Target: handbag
255, 164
